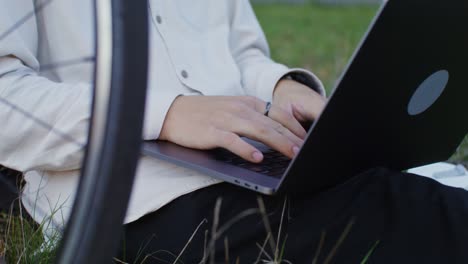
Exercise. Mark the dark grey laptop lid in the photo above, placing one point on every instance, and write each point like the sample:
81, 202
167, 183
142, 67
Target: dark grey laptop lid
414, 48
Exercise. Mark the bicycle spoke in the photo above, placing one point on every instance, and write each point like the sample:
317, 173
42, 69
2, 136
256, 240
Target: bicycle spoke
24, 19
39, 6
67, 63
41, 123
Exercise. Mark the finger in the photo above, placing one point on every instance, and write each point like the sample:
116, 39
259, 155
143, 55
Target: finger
284, 131
278, 114
266, 134
233, 143
261, 119
287, 120
252, 124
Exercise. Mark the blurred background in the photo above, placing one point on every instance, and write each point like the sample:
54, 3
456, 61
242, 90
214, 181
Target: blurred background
320, 35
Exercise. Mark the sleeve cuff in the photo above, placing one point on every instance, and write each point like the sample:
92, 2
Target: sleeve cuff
269, 78
307, 78
157, 105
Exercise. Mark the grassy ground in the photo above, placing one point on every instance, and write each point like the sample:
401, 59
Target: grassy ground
316, 37
319, 38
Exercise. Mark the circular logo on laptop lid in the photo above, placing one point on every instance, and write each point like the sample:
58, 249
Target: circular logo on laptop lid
428, 92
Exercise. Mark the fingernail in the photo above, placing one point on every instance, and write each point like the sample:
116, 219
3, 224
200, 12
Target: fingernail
296, 150
257, 156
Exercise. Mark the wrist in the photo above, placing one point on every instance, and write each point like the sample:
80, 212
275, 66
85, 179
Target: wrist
284, 84
305, 78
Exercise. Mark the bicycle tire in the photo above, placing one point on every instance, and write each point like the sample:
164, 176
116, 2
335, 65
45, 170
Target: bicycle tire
92, 233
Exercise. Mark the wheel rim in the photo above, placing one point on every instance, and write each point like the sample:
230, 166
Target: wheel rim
115, 133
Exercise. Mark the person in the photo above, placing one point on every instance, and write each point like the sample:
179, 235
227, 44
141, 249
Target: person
210, 81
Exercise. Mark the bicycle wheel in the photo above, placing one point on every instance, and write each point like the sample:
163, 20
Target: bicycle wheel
107, 175
120, 74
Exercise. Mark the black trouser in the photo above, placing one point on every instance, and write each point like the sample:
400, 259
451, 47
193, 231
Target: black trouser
10, 182
394, 217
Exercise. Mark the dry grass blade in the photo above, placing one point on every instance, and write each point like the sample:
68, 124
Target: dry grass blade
22, 233
262, 250
214, 237
339, 242
190, 240
283, 247
266, 222
280, 229
2, 251
205, 254
160, 260
217, 211
141, 249
119, 261
366, 258
226, 250
225, 227
2, 248
152, 256
319, 247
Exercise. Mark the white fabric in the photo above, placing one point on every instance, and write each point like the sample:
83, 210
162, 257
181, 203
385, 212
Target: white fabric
445, 173
218, 43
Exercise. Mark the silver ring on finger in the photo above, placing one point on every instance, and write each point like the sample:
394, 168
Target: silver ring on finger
267, 109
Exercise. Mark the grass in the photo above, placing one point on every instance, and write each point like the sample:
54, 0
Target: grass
271, 251
22, 240
316, 37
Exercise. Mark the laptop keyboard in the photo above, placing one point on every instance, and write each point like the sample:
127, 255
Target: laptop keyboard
274, 163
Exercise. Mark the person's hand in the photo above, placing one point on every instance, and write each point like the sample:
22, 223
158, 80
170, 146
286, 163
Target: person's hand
206, 122
298, 100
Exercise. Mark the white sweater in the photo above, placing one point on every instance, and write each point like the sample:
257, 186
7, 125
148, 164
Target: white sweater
217, 43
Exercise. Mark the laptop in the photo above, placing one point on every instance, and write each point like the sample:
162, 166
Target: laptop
401, 103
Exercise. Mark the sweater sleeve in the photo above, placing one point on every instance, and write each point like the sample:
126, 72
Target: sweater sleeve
44, 124
249, 47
